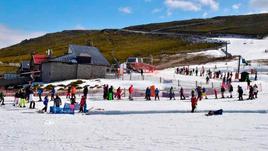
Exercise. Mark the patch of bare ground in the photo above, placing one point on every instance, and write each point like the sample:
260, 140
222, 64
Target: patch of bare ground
166, 61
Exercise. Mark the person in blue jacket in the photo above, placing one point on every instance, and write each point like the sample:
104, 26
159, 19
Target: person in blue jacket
45, 104
39, 92
148, 94
156, 94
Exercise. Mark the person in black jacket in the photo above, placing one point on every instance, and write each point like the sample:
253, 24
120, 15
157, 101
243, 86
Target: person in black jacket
231, 89
85, 91
57, 101
240, 93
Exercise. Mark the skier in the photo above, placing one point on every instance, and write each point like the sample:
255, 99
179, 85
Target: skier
194, 103
148, 94
85, 91
231, 89
131, 91
171, 94
156, 94
118, 93
45, 102
255, 91
222, 91
82, 104
2, 99
240, 93
182, 94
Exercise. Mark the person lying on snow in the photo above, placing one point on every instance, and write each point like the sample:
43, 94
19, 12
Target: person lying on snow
217, 112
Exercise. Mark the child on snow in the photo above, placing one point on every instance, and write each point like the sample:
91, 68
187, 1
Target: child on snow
131, 91
82, 104
156, 94
171, 93
45, 104
32, 103
194, 103
118, 93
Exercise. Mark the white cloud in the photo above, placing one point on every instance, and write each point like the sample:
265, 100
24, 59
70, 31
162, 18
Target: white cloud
79, 27
205, 15
10, 36
183, 5
260, 5
156, 10
125, 10
236, 6
213, 4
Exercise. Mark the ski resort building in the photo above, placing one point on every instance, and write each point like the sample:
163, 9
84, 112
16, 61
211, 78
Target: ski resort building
81, 62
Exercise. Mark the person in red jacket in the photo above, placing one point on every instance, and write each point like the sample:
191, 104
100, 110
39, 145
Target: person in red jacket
82, 104
118, 93
73, 91
194, 103
131, 91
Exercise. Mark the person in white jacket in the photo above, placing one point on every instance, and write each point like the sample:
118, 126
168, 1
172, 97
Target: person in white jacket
32, 103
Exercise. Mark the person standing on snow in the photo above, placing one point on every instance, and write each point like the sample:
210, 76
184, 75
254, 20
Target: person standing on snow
216, 93
68, 96
57, 101
105, 91
204, 93
118, 93
182, 94
240, 93
171, 93
45, 102
52, 92
251, 93
2, 99
82, 104
222, 91
39, 92
194, 103
131, 91
32, 103
148, 94
73, 92
85, 91
231, 89
255, 91
111, 93
156, 91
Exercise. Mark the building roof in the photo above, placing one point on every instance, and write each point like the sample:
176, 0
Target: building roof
96, 56
39, 59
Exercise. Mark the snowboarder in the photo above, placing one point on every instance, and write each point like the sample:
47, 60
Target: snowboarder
182, 94
156, 94
240, 93
131, 91
171, 94
194, 103
231, 89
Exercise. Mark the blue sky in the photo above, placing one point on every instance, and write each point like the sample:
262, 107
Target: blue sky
20, 19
